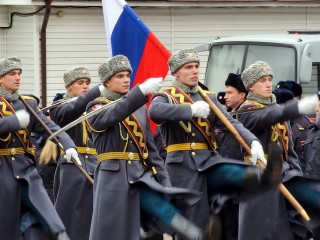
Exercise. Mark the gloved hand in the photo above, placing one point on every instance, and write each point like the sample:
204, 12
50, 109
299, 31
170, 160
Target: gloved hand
308, 104
23, 118
72, 153
151, 85
257, 153
200, 109
101, 87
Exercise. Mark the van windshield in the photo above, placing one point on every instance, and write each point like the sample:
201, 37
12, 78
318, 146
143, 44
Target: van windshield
234, 58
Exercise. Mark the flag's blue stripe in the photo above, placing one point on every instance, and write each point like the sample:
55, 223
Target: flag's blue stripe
129, 37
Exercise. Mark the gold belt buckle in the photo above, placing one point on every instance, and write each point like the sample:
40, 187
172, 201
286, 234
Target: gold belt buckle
193, 146
130, 155
13, 151
87, 150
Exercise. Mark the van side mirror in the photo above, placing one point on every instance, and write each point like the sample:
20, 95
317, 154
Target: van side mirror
306, 65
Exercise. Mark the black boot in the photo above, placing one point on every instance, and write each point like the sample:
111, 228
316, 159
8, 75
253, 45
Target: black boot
186, 228
256, 177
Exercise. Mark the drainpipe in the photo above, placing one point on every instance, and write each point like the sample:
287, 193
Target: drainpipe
43, 46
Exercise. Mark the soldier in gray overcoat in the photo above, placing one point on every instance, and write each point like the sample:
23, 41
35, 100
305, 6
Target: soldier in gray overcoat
187, 126
270, 125
131, 178
72, 191
25, 206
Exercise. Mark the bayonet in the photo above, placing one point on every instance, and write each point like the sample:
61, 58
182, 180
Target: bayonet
83, 118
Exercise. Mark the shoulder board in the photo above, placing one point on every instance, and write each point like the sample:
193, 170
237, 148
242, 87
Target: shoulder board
251, 102
103, 99
28, 97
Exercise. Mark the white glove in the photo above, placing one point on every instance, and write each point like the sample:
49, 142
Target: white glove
151, 85
308, 104
72, 153
101, 87
257, 153
23, 118
200, 109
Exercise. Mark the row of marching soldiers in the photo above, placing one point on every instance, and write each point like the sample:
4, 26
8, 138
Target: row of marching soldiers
135, 191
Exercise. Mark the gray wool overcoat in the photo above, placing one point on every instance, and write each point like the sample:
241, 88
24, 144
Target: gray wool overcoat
187, 169
116, 208
19, 172
73, 193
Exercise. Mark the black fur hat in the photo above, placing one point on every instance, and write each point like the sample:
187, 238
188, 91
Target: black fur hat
234, 80
292, 86
282, 95
220, 97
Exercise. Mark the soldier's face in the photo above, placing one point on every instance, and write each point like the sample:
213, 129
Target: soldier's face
78, 87
11, 81
119, 82
262, 87
188, 74
234, 97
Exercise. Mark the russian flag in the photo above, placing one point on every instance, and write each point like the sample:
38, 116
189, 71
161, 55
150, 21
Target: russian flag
129, 36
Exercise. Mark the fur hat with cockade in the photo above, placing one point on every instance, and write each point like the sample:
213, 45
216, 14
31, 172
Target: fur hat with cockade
75, 73
8, 64
254, 72
114, 65
182, 57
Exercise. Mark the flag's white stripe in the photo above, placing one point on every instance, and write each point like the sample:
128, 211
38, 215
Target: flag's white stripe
112, 10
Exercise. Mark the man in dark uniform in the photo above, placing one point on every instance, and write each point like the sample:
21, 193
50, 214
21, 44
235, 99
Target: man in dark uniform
299, 125
235, 95
270, 125
187, 129
124, 183
74, 204
309, 162
25, 206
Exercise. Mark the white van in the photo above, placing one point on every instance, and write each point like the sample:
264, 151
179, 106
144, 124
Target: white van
293, 56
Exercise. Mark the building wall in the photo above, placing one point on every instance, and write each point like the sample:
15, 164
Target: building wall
76, 36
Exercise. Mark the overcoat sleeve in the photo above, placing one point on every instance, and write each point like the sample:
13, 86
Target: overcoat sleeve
66, 113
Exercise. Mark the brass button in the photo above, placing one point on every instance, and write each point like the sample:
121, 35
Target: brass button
193, 134
13, 158
13, 151
193, 146
193, 153
13, 140
130, 155
130, 181
87, 150
129, 162
17, 177
145, 155
130, 141
86, 156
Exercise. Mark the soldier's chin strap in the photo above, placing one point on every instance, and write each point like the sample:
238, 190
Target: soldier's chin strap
35, 115
236, 134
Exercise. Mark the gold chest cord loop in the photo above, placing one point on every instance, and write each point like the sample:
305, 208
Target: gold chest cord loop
124, 138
